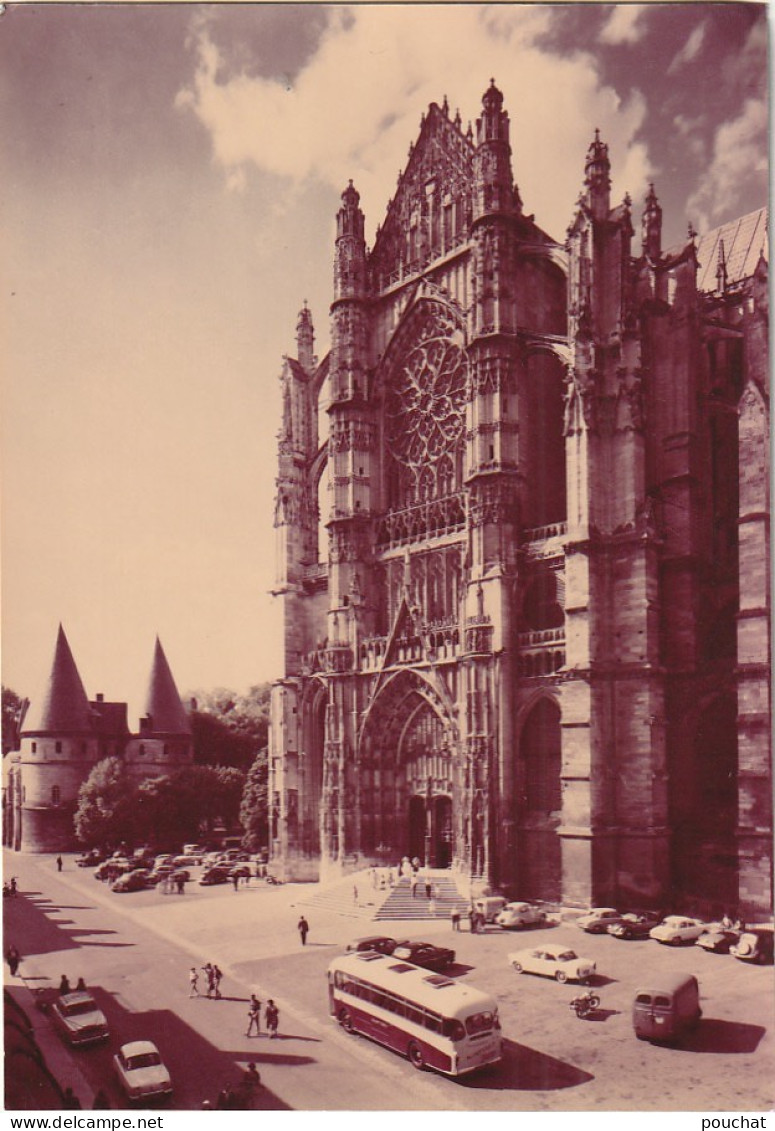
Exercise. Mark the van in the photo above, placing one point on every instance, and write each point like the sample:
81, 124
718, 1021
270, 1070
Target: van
663, 1010
489, 906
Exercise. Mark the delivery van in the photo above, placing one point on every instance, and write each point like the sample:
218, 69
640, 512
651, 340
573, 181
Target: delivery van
489, 906
666, 1008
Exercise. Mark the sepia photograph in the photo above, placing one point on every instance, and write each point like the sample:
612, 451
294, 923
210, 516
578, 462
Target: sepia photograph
385, 558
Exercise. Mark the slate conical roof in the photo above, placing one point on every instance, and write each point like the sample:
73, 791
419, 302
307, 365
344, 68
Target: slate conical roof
63, 707
163, 703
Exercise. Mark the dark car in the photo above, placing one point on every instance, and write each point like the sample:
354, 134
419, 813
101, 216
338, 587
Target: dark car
90, 859
112, 869
383, 944
215, 875
425, 954
635, 925
131, 881
718, 940
754, 946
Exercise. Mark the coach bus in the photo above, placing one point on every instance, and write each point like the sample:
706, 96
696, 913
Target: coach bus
433, 1020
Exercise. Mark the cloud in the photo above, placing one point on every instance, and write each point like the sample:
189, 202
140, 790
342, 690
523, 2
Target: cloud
626, 25
739, 165
690, 49
355, 106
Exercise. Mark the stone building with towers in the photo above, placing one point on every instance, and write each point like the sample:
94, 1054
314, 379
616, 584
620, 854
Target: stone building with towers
522, 545
63, 736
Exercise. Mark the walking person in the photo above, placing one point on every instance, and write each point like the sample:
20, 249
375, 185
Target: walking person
355, 894
413, 885
193, 979
254, 1016
455, 917
64, 985
208, 972
217, 975
428, 888
303, 927
13, 958
59, 863
272, 1018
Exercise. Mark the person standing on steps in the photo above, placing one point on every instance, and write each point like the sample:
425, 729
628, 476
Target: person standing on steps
303, 927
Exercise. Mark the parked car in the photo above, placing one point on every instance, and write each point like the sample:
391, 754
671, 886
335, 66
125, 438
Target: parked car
217, 874
665, 1007
519, 914
425, 954
635, 925
185, 862
131, 881
79, 1019
112, 869
553, 962
718, 939
141, 1071
677, 929
383, 944
197, 850
754, 946
599, 919
90, 859
164, 858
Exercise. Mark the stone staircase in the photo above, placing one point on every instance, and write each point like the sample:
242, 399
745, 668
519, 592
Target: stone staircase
387, 903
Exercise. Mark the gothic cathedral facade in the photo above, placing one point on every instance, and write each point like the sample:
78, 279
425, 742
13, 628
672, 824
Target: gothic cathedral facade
522, 536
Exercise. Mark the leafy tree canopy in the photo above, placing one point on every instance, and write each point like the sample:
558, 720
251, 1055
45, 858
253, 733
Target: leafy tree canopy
230, 729
104, 813
13, 705
254, 810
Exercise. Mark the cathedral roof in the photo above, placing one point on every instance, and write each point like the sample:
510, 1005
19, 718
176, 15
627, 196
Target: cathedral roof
739, 243
64, 706
163, 704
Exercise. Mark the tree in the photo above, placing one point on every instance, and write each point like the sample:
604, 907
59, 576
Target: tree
254, 810
105, 810
13, 706
230, 729
188, 804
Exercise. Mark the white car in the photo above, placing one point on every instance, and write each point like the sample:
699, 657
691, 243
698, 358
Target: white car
599, 919
678, 929
141, 1072
519, 914
554, 962
79, 1018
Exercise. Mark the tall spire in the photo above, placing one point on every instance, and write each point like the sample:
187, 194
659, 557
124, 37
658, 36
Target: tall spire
163, 704
597, 178
305, 339
64, 706
493, 181
651, 226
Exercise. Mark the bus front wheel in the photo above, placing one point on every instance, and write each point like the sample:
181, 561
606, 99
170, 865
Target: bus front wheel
346, 1021
415, 1054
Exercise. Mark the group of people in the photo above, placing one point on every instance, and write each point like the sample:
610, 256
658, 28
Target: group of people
213, 975
66, 988
271, 1017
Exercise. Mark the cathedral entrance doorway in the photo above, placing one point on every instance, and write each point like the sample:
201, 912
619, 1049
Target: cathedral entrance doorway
430, 831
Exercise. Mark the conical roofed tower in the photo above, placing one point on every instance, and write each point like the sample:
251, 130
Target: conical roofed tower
64, 706
163, 706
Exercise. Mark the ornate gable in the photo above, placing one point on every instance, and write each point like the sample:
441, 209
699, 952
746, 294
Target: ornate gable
431, 211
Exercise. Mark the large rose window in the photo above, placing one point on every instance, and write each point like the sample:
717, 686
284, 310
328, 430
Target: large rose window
427, 391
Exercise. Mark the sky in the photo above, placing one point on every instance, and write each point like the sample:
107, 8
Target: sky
171, 179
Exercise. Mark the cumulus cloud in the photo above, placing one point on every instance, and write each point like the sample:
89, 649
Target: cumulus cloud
625, 25
355, 107
739, 164
690, 49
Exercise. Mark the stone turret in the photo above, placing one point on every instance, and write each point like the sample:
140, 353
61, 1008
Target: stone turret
651, 227
164, 741
597, 179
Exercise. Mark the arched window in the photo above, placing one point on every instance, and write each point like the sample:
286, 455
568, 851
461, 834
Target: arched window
541, 607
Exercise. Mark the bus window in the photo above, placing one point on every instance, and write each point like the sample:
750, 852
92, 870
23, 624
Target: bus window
455, 1030
479, 1023
432, 1022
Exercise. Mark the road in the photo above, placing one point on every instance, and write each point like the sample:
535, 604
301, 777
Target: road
135, 950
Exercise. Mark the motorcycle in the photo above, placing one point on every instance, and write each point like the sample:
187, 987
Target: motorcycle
585, 1004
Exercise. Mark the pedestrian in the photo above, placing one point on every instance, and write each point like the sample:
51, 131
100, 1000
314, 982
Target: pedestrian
251, 1078
208, 972
13, 885
355, 894
100, 1101
235, 880
181, 885
254, 1016
193, 979
272, 1018
70, 1100
303, 927
428, 888
64, 985
13, 958
217, 975
59, 863
80, 986
455, 917
471, 920
413, 885
432, 907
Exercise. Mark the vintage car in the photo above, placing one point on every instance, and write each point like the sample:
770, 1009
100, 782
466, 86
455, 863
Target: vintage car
90, 859
425, 954
141, 1072
676, 930
717, 939
111, 869
754, 946
383, 944
519, 914
79, 1019
553, 962
598, 920
634, 925
217, 874
136, 880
